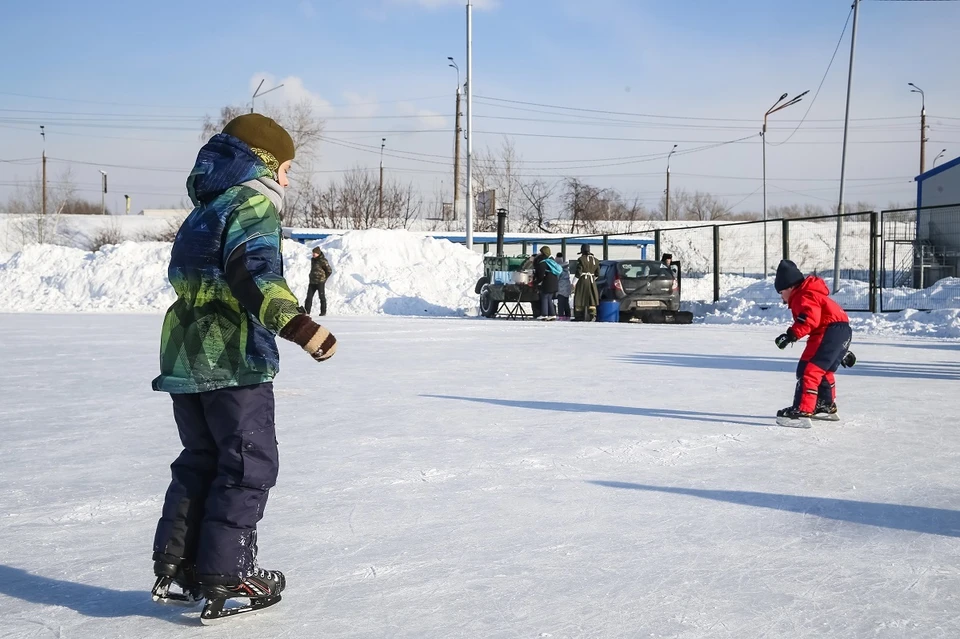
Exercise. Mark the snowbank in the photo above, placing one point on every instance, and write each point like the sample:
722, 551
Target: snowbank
375, 272
748, 301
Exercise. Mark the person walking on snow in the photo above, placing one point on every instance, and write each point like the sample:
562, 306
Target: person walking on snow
319, 272
563, 288
545, 276
586, 297
218, 357
827, 328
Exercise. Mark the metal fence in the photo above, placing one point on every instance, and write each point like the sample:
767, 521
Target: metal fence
889, 261
920, 259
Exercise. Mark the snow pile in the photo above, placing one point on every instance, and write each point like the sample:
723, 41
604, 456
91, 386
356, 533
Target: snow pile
753, 303
375, 272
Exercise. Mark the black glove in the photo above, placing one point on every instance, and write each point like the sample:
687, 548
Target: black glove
848, 360
783, 339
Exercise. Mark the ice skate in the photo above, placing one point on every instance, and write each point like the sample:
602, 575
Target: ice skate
826, 412
187, 591
794, 418
261, 589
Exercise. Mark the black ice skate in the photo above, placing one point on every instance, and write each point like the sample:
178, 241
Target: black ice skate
188, 593
793, 418
261, 589
826, 412
849, 359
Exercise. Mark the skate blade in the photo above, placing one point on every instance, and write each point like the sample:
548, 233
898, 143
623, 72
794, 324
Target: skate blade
212, 617
172, 599
826, 417
790, 422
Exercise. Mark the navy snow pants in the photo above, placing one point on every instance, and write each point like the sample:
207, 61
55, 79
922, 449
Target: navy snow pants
815, 376
220, 481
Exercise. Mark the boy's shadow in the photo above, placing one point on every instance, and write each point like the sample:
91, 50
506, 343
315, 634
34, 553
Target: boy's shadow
90, 601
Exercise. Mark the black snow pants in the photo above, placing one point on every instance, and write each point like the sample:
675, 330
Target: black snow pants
220, 481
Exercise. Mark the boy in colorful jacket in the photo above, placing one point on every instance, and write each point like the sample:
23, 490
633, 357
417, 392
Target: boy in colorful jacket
827, 327
218, 357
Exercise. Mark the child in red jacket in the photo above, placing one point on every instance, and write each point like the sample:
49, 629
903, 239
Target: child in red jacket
828, 327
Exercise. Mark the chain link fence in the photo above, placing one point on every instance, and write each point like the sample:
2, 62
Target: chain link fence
920, 257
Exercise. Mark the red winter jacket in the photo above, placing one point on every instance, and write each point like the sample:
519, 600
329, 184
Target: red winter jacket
813, 311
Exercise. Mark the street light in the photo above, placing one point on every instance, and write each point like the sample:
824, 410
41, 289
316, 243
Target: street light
103, 193
257, 93
779, 105
939, 155
923, 124
666, 207
383, 143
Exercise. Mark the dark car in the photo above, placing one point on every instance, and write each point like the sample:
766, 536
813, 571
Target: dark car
644, 288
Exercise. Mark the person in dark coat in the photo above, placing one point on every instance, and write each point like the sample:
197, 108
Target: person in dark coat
545, 277
564, 288
319, 272
586, 297
827, 328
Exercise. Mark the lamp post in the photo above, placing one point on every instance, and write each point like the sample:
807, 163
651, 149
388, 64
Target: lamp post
469, 87
923, 124
939, 155
456, 144
257, 93
103, 193
779, 105
666, 207
383, 143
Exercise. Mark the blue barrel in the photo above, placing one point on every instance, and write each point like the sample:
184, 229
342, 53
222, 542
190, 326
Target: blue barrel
609, 311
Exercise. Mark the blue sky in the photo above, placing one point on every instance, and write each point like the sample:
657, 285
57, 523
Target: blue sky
151, 71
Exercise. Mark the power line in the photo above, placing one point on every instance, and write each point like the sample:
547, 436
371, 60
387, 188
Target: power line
822, 80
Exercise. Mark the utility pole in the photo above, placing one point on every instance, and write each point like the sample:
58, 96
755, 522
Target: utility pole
103, 193
843, 156
383, 143
666, 208
127, 198
43, 189
456, 146
923, 126
469, 88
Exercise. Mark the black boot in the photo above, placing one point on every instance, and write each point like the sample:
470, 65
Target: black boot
180, 575
261, 588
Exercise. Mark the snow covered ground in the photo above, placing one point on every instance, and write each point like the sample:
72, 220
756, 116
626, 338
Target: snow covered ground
474, 478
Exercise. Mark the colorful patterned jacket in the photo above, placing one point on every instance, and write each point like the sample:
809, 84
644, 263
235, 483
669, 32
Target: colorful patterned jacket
227, 272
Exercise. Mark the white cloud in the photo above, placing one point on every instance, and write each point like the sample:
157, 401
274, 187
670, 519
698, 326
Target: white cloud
483, 5
361, 105
307, 9
292, 90
426, 118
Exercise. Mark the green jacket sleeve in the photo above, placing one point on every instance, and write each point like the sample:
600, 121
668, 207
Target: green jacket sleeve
253, 265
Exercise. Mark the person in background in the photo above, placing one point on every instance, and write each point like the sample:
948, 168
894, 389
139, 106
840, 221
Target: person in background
564, 288
545, 277
319, 272
667, 260
586, 297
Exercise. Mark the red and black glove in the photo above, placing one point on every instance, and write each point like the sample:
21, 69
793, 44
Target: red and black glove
311, 337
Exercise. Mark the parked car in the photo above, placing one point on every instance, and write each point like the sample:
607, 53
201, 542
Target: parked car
646, 289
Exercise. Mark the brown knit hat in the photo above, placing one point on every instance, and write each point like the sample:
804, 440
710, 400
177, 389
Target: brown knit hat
267, 139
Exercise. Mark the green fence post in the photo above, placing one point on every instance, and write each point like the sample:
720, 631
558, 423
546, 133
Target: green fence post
656, 244
563, 248
486, 248
524, 247
716, 263
786, 239
606, 247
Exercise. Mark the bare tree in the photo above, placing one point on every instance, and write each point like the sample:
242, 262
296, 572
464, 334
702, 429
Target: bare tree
354, 202
497, 170
536, 196
704, 206
31, 224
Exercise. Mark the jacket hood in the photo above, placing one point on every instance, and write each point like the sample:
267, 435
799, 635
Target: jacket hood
222, 163
813, 284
